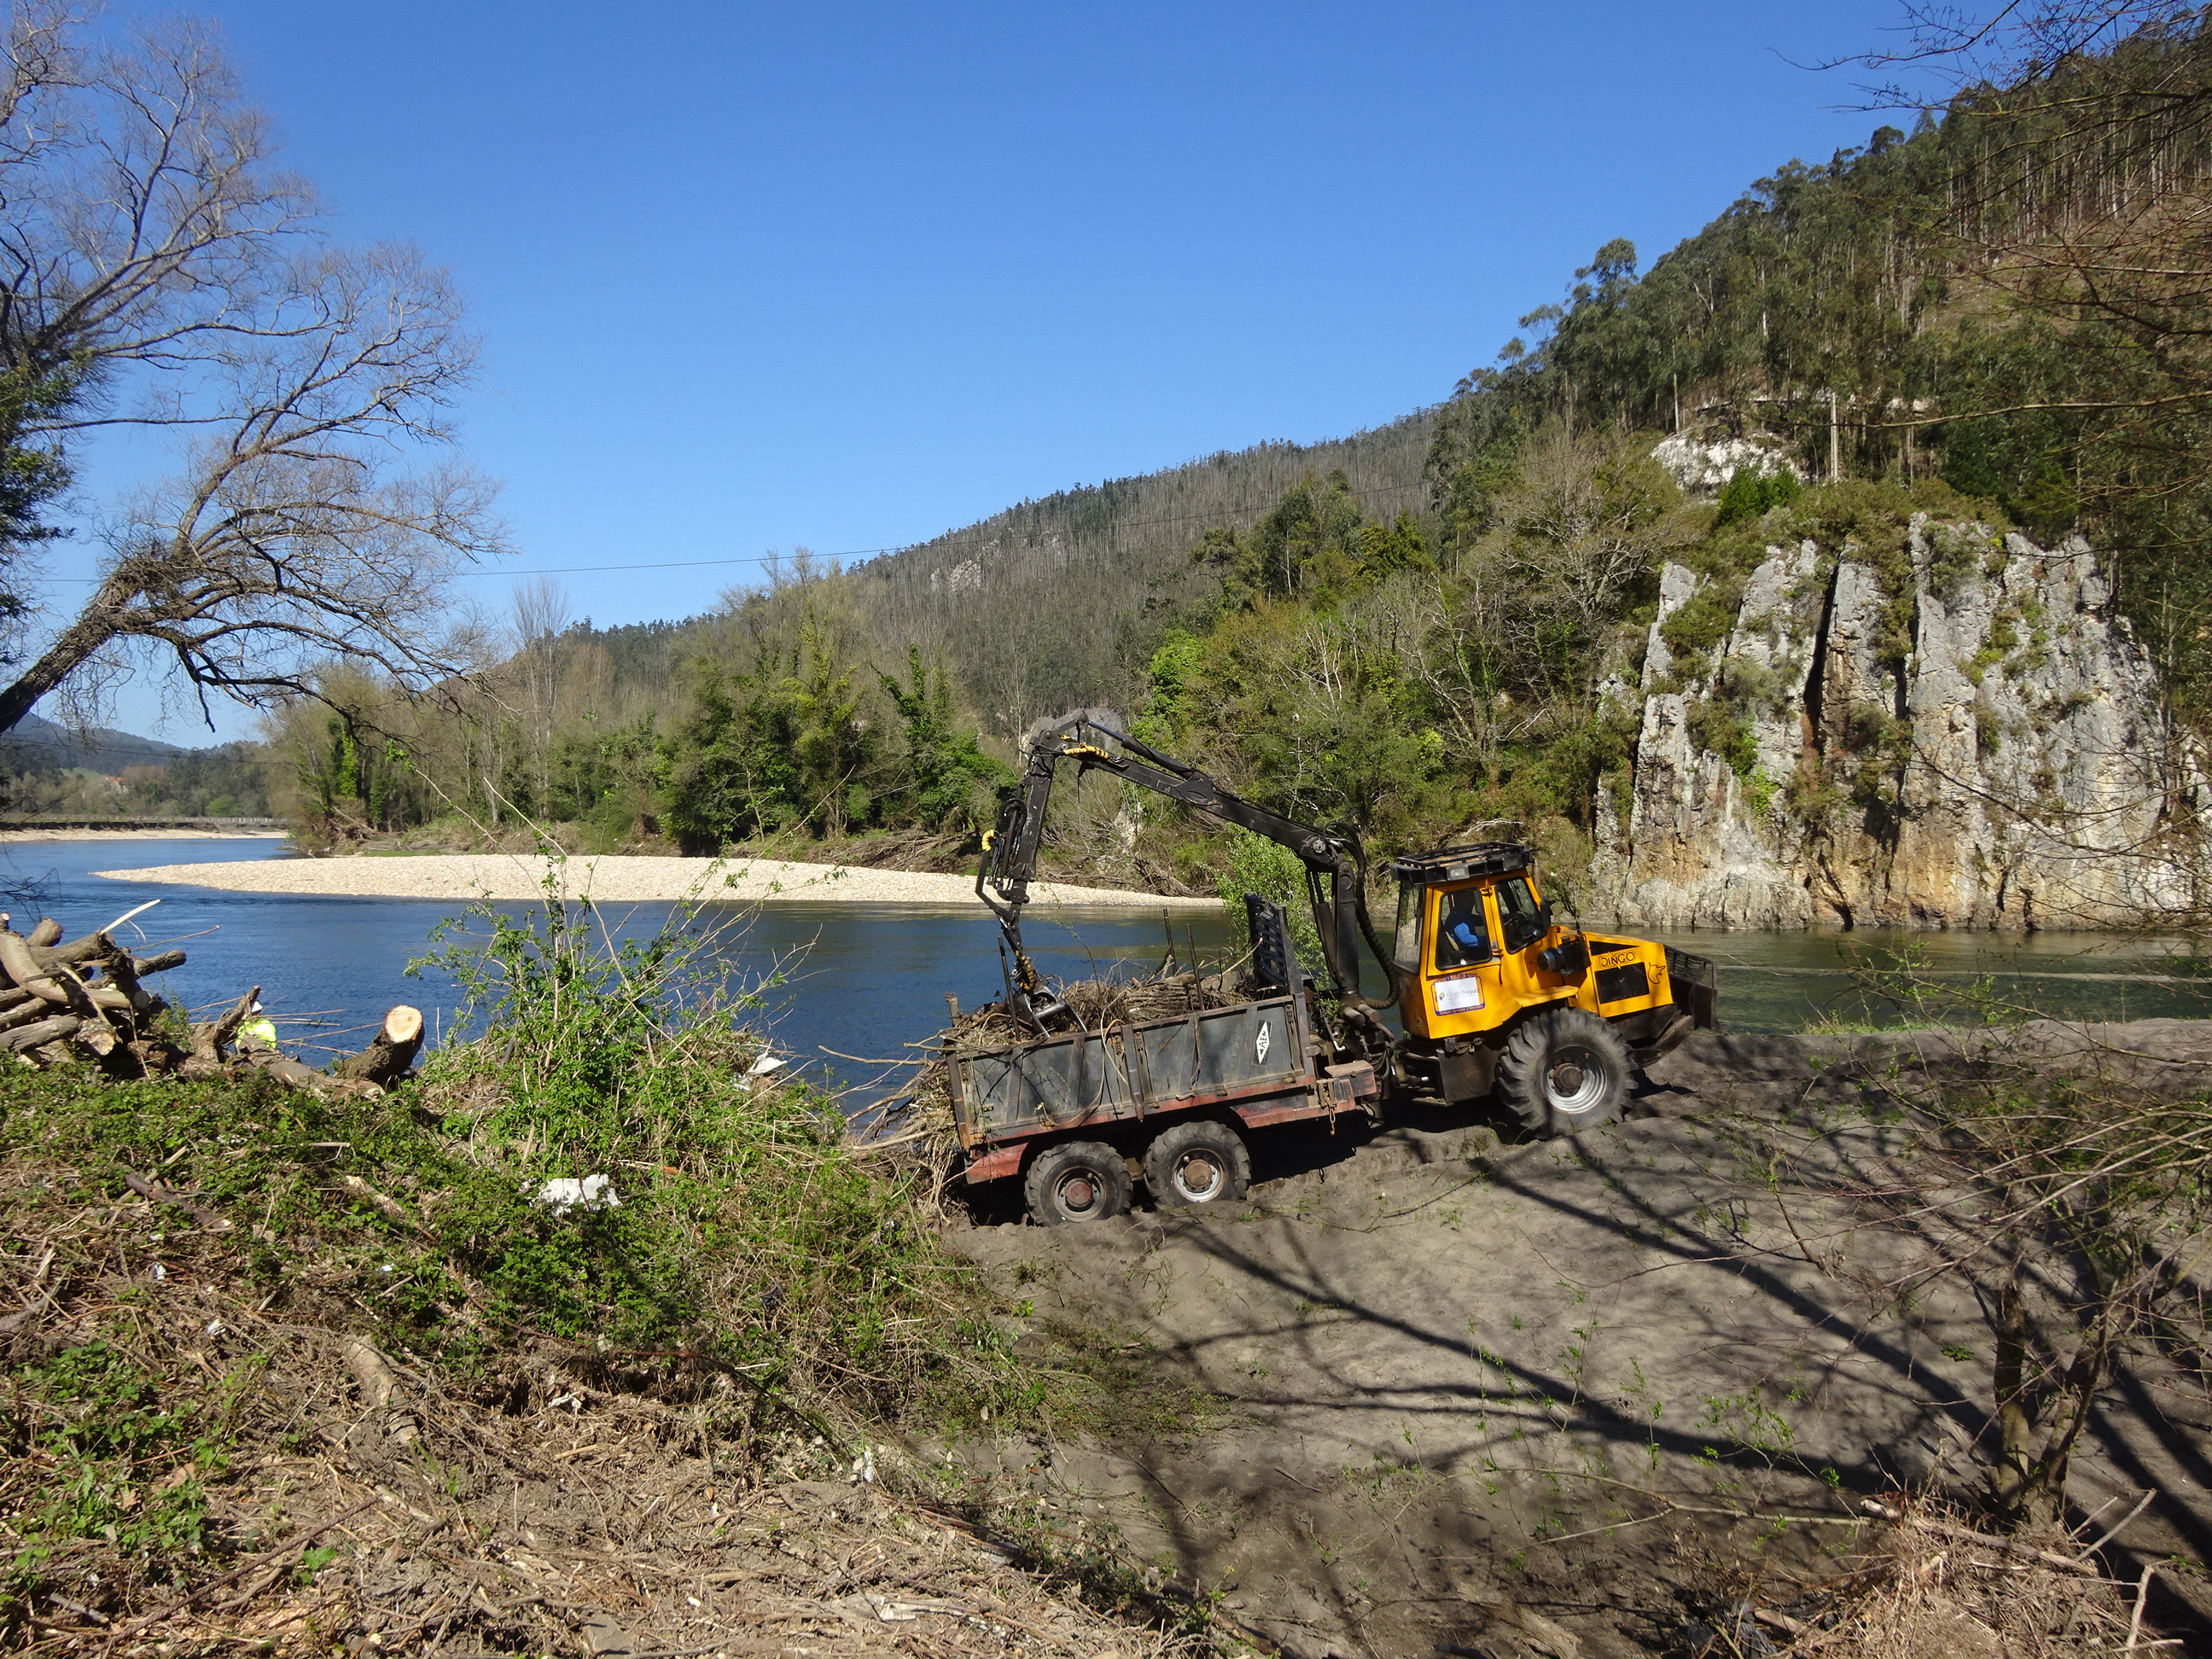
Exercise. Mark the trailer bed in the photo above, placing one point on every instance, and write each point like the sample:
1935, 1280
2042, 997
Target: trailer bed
1252, 1059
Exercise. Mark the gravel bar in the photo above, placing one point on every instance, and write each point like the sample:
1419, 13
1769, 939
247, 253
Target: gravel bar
466, 875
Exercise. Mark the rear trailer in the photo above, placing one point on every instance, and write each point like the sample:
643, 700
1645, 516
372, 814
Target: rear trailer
1117, 1093
1083, 1116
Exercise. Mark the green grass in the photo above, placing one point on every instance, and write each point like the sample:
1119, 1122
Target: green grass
748, 1245
98, 1421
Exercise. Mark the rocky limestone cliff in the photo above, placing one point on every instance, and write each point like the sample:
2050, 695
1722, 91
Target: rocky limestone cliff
1966, 736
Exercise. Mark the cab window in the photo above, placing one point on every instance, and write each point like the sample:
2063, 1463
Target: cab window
1406, 948
1521, 919
1462, 930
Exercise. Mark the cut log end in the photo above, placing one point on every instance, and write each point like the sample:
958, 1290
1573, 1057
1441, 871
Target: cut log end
392, 1050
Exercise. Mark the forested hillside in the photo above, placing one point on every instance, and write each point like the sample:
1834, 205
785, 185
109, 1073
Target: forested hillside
49, 770
1993, 322
1060, 601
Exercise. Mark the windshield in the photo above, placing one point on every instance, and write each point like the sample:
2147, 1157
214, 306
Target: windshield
1520, 918
1462, 930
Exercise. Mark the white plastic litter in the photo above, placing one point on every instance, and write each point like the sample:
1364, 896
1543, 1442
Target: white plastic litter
563, 1193
766, 1064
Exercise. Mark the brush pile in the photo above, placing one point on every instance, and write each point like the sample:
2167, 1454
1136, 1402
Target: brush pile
920, 1123
85, 1003
1923, 1583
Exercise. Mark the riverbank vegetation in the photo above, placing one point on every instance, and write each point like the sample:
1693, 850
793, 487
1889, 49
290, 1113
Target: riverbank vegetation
229, 780
384, 1293
273, 1332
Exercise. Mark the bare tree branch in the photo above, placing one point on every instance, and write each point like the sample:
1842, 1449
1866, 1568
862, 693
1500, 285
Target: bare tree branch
157, 269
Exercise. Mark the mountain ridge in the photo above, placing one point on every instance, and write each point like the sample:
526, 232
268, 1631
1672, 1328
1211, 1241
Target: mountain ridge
101, 749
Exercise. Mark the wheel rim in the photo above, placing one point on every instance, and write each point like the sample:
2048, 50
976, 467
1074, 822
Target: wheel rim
1197, 1176
1574, 1081
1079, 1194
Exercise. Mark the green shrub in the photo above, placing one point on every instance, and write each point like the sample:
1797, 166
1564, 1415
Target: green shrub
109, 1441
1705, 619
1273, 872
1752, 494
1956, 553
749, 1241
1717, 727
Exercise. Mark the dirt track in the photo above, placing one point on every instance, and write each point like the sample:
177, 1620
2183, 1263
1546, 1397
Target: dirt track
1455, 1381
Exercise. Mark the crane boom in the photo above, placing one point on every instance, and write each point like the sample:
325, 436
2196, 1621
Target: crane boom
1010, 853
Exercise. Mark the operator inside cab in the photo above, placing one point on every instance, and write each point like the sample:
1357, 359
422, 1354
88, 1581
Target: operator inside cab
1463, 937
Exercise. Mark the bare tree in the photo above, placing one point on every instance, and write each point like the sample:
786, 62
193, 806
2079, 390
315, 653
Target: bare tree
157, 270
539, 614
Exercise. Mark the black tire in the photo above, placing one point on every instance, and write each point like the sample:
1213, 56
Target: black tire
1564, 1072
1198, 1166
1081, 1181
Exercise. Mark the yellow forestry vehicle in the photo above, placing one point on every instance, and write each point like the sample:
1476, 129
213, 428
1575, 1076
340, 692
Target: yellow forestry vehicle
1489, 995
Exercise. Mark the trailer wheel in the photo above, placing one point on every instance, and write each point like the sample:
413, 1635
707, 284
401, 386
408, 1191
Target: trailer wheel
1197, 1165
1564, 1072
1082, 1181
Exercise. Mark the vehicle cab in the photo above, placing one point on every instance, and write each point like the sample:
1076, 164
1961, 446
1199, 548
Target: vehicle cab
1478, 950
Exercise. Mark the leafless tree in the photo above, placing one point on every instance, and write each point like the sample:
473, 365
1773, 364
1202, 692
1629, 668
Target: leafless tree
539, 614
1584, 528
157, 270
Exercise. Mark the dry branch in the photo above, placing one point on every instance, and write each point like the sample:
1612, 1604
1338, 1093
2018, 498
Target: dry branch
25, 969
24, 1013
373, 1374
160, 1195
273, 1063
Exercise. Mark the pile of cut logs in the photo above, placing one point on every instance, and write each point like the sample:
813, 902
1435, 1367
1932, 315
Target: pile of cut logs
83, 1002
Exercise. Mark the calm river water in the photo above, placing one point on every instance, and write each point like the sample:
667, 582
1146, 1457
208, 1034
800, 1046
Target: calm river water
868, 980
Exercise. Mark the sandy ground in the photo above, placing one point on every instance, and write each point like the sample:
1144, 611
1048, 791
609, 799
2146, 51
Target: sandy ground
1455, 1380
511, 876
10, 837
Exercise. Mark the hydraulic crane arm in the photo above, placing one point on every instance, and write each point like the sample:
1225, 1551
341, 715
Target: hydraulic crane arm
1009, 854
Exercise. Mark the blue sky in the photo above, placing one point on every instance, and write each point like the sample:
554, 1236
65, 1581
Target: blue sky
757, 276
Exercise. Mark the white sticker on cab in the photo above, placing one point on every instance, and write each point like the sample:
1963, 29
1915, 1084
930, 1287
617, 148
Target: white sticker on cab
1457, 996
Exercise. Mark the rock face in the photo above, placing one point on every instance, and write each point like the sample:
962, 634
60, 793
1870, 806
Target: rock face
1699, 464
1975, 742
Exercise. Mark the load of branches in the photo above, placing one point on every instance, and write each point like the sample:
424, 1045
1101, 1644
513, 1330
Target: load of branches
84, 1003
917, 1124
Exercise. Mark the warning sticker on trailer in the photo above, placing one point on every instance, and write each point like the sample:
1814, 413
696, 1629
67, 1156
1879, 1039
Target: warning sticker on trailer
1457, 996
1260, 1044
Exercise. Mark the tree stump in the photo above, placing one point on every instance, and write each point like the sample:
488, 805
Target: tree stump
386, 1058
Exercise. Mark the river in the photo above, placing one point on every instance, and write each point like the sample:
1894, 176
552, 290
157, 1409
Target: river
868, 981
